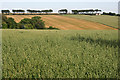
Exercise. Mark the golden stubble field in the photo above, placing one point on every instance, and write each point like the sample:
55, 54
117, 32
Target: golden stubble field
65, 23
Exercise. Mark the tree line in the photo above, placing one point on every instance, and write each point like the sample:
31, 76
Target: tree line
110, 13
62, 11
28, 11
26, 23
90, 11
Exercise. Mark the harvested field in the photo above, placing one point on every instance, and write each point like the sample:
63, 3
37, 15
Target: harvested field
108, 20
65, 23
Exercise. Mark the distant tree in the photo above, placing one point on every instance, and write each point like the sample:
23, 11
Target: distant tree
43, 11
97, 10
75, 11
39, 11
18, 11
118, 14
5, 11
33, 11
13, 11
50, 10
87, 11
47, 11
21, 11
104, 12
63, 11
91, 10
29, 11
80, 11
110, 13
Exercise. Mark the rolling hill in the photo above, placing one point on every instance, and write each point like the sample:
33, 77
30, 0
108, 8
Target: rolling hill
65, 23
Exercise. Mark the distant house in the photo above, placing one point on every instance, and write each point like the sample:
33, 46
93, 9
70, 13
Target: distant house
97, 14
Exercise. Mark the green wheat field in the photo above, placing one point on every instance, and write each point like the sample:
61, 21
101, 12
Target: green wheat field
60, 53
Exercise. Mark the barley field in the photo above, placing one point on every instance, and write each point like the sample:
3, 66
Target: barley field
60, 53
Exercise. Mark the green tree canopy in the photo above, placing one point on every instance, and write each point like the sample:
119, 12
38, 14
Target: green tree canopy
26, 21
11, 23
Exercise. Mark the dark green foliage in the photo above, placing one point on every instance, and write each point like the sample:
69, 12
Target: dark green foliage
90, 11
75, 11
26, 23
38, 23
34, 23
4, 25
5, 11
4, 18
38, 11
20, 26
118, 14
63, 11
47, 11
110, 13
4, 22
36, 18
8, 23
28, 26
11, 23
50, 27
18, 11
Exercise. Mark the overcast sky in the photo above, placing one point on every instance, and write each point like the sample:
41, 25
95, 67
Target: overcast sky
104, 5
